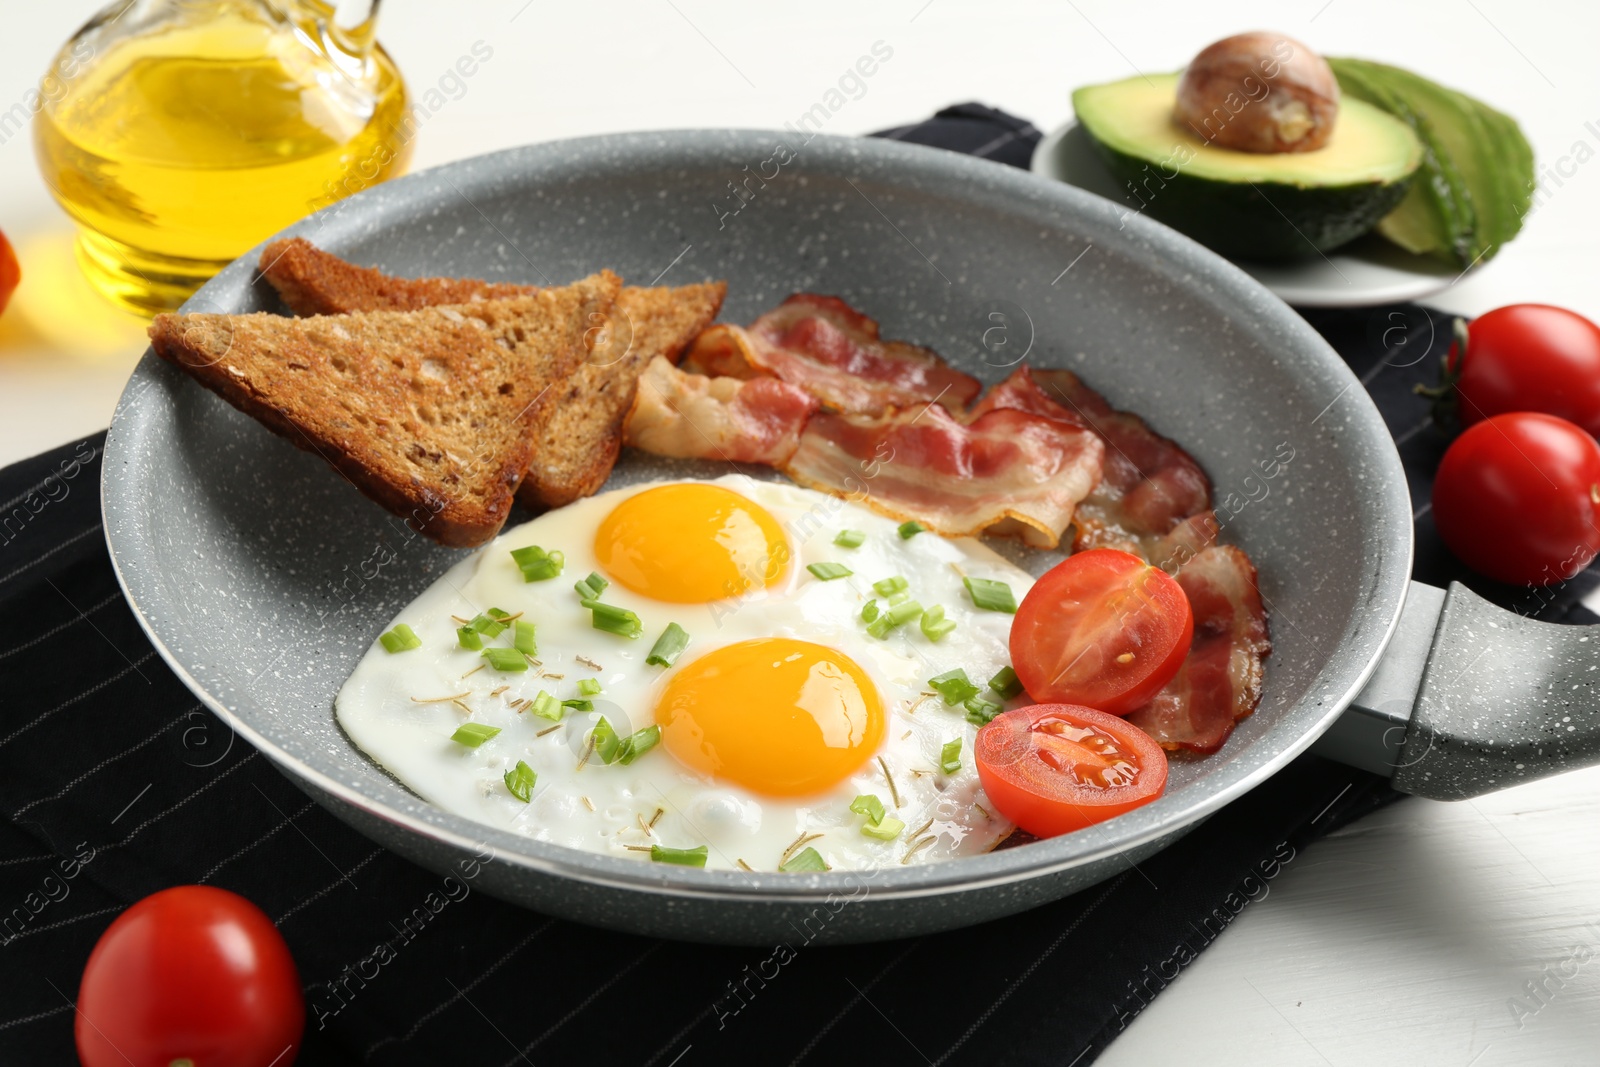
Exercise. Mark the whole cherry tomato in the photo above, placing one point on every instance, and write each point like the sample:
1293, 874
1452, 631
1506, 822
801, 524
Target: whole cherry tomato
1517, 498
10, 272
1528, 357
190, 975
1102, 628
1055, 768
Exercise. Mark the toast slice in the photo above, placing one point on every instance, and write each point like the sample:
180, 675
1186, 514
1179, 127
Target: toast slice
431, 413
579, 437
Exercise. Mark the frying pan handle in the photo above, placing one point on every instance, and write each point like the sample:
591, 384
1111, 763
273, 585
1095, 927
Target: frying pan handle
1470, 698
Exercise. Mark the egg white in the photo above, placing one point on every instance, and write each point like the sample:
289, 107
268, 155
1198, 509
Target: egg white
392, 705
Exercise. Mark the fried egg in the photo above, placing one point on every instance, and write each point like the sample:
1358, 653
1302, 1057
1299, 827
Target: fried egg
782, 708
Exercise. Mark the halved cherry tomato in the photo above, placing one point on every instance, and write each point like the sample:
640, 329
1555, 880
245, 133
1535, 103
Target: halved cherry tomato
1517, 498
1528, 357
190, 975
10, 272
1055, 768
1102, 628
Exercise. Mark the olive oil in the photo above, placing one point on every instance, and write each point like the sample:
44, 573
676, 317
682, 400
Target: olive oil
183, 146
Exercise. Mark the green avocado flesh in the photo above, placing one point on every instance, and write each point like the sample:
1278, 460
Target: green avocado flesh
1251, 205
1476, 181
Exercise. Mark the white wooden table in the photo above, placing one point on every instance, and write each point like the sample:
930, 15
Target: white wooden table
1411, 937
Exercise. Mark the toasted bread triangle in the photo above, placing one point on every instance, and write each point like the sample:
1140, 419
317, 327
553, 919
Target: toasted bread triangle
431, 413
578, 438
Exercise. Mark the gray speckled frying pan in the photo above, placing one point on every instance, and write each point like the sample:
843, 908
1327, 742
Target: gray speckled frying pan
261, 576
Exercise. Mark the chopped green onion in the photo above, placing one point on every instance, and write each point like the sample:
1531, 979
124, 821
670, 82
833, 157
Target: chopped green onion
469, 638
896, 584
849, 538
950, 757
499, 616
827, 572
934, 624
588, 687
807, 859
473, 734
520, 781
908, 530
1005, 683
899, 597
400, 639
898, 615
669, 646
869, 611
981, 712
614, 620
506, 659
578, 704
683, 857
869, 805
538, 565
637, 744
522, 638
954, 686
487, 625
591, 587
885, 830
991, 596
547, 707
613, 749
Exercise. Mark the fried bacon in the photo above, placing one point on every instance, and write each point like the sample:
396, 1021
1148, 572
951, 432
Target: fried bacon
695, 417
826, 347
1006, 473
1220, 680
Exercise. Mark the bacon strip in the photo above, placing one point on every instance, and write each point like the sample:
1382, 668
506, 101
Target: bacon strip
1220, 681
1006, 473
1150, 485
692, 416
834, 352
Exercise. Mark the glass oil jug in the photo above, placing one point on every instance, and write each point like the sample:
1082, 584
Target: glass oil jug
181, 133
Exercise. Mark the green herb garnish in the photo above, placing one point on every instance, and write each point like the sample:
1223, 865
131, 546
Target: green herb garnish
469, 638
890, 586
869, 611
538, 565
908, 530
669, 646
897, 615
991, 596
954, 686
488, 624
522, 638
807, 859
1005, 683
547, 707
588, 687
520, 781
578, 704
886, 829
506, 659
614, 620
624, 750
950, 757
591, 587
400, 639
683, 857
473, 734
849, 538
981, 712
934, 624
869, 805
827, 572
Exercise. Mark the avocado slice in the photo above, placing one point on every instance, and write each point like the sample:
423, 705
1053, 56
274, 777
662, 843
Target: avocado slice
1477, 174
1264, 206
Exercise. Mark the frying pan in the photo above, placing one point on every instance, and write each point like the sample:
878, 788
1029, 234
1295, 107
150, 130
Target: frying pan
261, 577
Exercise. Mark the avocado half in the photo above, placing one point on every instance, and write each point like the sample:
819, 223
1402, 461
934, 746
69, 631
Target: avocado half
1249, 205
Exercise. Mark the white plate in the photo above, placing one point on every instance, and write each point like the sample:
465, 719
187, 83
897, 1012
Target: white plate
1365, 272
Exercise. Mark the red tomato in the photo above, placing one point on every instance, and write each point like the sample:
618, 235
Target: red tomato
1102, 628
190, 974
1055, 768
1517, 498
10, 272
1529, 357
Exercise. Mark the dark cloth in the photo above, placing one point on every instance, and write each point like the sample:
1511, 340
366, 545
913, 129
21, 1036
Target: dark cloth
112, 771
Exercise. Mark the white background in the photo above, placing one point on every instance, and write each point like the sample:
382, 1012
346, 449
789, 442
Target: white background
1400, 940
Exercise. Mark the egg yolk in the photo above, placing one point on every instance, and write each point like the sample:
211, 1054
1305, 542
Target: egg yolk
691, 543
775, 715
